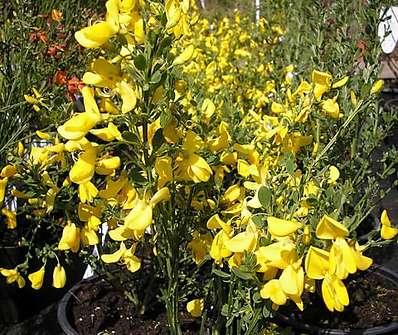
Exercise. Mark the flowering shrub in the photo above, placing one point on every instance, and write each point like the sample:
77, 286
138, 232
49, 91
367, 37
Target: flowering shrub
194, 139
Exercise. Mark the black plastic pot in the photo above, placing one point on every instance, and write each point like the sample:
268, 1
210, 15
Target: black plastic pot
387, 329
18, 304
64, 307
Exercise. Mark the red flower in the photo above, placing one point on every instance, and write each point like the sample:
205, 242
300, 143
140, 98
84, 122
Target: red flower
60, 78
74, 85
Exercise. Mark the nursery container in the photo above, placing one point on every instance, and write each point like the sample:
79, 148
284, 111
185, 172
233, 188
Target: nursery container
385, 329
84, 292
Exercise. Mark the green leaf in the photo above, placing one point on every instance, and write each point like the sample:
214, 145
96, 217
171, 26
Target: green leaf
242, 274
225, 310
158, 139
166, 42
130, 137
156, 77
221, 274
165, 118
265, 196
140, 62
136, 176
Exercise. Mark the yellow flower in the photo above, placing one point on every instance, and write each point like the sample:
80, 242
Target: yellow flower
8, 171
110, 133
200, 246
387, 231
80, 124
12, 275
36, 278
107, 165
104, 74
330, 229
163, 167
279, 227
125, 255
3, 188
185, 56
11, 218
83, 170
331, 108
87, 192
70, 239
195, 307
218, 250
95, 35
59, 276
377, 87
334, 174
191, 166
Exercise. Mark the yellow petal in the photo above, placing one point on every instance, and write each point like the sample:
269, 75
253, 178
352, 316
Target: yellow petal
59, 277
139, 31
273, 290
316, 263
87, 192
377, 86
89, 236
140, 217
334, 174
78, 126
36, 278
241, 242
388, 233
328, 295
185, 56
330, 229
341, 291
95, 35
331, 108
128, 95
198, 169
3, 187
162, 195
116, 256
70, 238
289, 280
279, 227
8, 171
341, 82
218, 251
83, 170
215, 223
107, 134
362, 262
321, 78
385, 220
195, 307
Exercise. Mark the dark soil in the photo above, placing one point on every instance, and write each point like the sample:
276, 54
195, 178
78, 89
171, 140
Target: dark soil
373, 302
99, 308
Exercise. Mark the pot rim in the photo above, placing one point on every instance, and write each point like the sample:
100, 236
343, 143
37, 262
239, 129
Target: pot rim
378, 330
62, 309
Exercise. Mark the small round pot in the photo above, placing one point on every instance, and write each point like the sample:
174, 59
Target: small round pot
64, 312
64, 307
387, 329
